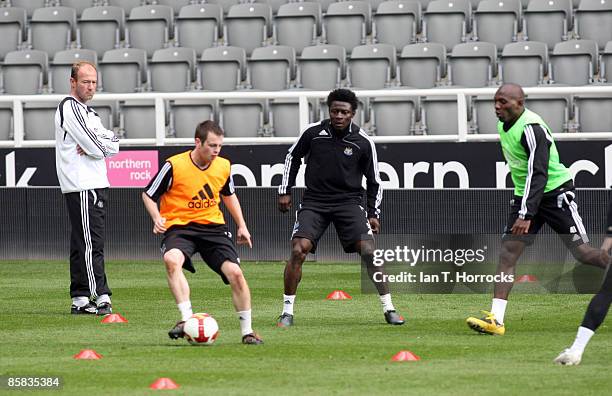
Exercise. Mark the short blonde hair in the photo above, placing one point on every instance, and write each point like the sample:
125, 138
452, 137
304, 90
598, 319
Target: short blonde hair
74, 72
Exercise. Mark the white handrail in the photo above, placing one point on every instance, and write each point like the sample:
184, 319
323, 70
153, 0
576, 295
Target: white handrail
159, 100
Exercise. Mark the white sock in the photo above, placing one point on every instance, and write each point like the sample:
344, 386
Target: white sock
288, 304
80, 301
582, 339
245, 322
387, 304
104, 298
185, 308
498, 308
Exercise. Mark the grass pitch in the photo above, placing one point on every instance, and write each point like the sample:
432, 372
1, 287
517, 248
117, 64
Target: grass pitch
335, 347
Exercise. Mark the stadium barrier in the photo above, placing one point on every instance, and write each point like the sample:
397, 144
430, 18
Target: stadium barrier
160, 101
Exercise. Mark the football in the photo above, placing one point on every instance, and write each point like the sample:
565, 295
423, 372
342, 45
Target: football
201, 329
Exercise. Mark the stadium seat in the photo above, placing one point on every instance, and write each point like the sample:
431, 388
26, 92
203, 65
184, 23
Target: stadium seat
574, 62
186, 114
473, 64
101, 28
284, 118
497, 22
397, 23
198, 26
248, 26
275, 5
6, 121
175, 4
347, 24
593, 113
24, 72
439, 115
172, 69
59, 79
38, 121
272, 68
393, 116
322, 67
447, 22
593, 21
548, 21
524, 63
222, 68
149, 27
12, 28
137, 119
372, 66
52, 29
242, 118
127, 5
78, 5
605, 73
29, 5
422, 65
298, 25
224, 4
324, 4
123, 70
555, 110
106, 110
483, 118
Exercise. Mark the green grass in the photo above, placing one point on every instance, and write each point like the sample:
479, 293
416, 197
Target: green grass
335, 347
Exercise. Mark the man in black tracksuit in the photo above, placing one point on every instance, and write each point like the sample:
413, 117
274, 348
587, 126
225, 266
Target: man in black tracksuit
338, 155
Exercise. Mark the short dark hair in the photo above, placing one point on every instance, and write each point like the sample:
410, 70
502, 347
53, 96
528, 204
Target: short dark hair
205, 127
74, 71
343, 95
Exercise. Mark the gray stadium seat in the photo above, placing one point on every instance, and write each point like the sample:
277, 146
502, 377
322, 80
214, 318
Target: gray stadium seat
198, 26
372, 66
241, 118
347, 24
123, 70
59, 80
447, 22
127, 5
284, 119
6, 121
548, 21
24, 72
175, 4
497, 21
574, 62
605, 74
439, 115
78, 5
101, 28
473, 64
29, 5
422, 65
222, 68
137, 119
298, 25
397, 23
106, 111
275, 5
172, 69
593, 20
392, 116
52, 29
224, 4
272, 68
324, 4
322, 67
593, 113
149, 27
554, 110
12, 27
524, 63
248, 26
186, 114
38, 121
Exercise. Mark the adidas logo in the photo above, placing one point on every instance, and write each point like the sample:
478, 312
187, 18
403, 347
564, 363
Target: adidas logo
323, 133
203, 199
287, 302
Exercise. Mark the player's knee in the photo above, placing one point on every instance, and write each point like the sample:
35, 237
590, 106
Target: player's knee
299, 251
174, 260
234, 274
510, 251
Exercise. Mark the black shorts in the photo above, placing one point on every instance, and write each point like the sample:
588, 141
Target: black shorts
212, 241
350, 220
560, 212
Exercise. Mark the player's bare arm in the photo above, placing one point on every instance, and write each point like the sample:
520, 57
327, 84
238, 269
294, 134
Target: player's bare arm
243, 236
158, 221
521, 227
374, 225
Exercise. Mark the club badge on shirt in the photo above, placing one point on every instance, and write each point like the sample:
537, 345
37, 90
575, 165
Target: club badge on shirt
348, 151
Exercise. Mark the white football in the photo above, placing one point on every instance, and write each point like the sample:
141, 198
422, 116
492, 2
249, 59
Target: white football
201, 329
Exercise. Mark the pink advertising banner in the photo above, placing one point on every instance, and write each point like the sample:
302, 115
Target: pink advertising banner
132, 168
